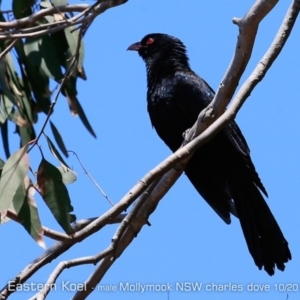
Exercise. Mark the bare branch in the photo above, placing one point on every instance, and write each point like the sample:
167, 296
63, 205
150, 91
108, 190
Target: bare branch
69, 264
88, 14
267, 60
248, 26
128, 231
8, 48
130, 217
52, 253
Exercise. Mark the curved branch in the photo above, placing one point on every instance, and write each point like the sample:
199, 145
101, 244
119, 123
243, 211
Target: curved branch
248, 26
126, 233
52, 253
68, 264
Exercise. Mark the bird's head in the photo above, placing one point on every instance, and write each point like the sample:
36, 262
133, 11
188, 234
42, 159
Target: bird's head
162, 48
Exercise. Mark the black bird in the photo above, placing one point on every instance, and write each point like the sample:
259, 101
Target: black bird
222, 170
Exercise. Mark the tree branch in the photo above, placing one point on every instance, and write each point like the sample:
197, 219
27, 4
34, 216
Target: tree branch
98, 8
248, 26
52, 253
68, 264
126, 233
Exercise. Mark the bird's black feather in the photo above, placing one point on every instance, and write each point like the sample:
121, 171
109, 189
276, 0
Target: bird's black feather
221, 170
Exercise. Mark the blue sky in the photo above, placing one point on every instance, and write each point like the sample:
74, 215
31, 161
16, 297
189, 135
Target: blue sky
187, 241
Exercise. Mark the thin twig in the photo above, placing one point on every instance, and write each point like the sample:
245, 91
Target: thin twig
8, 48
92, 179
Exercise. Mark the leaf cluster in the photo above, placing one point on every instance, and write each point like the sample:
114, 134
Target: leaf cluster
27, 73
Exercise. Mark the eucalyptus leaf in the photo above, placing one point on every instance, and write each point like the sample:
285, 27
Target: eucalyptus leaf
59, 2
4, 135
59, 140
55, 152
13, 173
22, 8
55, 194
27, 134
6, 108
68, 175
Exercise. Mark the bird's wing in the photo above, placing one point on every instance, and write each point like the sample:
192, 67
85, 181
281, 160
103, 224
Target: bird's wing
232, 131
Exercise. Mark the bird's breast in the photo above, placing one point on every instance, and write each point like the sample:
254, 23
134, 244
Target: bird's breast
169, 122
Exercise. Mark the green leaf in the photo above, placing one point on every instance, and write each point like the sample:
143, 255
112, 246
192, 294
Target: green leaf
61, 45
16, 117
68, 175
55, 194
25, 207
28, 213
72, 36
4, 83
51, 64
16, 203
28, 106
81, 73
69, 90
4, 134
27, 134
59, 140
13, 74
13, 173
84, 119
55, 152
22, 8
37, 82
45, 4
74, 105
59, 2
6, 108
13, 78
42, 54
21, 91
25, 113
49, 19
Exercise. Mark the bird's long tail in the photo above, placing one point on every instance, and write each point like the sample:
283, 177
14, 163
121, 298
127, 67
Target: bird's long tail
264, 238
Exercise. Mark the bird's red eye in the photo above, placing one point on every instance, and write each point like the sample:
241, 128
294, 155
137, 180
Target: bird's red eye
150, 41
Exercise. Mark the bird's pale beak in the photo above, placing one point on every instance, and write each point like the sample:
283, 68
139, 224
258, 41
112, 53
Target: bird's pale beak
135, 47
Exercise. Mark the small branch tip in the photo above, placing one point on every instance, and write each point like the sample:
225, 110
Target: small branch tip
236, 21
